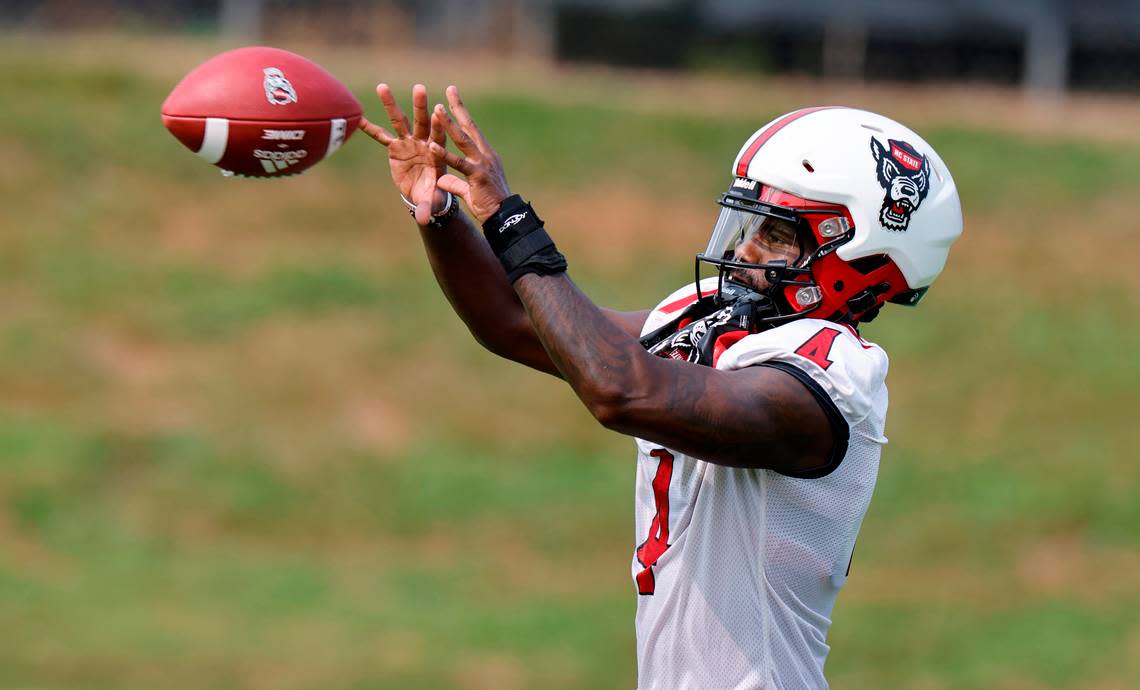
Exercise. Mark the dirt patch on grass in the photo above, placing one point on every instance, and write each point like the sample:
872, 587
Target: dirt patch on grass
489, 672
614, 223
266, 379
1056, 256
1063, 567
908, 583
317, 220
149, 385
275, 382
1067, 566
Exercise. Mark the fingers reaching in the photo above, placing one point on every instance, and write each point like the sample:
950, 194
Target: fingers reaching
460, 137
420, 112
462, 129
395, 115
465, 122
438, 133
376, 132
485, 185
419, 159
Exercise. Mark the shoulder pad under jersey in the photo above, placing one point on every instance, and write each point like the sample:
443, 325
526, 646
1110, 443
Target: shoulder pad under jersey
849, 369
675, 303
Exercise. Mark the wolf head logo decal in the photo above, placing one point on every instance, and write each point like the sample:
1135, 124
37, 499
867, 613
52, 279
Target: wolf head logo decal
905, 175
278, 90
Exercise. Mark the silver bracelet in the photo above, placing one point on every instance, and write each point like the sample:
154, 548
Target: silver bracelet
435, 216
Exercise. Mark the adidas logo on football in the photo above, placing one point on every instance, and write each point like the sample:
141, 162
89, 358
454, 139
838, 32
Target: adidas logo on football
276, 161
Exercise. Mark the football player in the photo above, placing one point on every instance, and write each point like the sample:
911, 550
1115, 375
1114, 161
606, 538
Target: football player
756, 405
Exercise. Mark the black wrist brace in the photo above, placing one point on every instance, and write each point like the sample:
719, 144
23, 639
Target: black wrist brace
518, 239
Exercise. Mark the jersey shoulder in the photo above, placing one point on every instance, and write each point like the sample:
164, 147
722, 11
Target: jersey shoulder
848, 368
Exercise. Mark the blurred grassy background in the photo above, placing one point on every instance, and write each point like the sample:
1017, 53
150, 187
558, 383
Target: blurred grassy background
244, 443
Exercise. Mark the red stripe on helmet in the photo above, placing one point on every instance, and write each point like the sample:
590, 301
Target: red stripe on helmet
746, 159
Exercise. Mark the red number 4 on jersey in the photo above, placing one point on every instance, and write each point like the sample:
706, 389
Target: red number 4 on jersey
818, 347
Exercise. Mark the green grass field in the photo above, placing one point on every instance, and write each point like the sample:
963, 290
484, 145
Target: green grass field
245, 444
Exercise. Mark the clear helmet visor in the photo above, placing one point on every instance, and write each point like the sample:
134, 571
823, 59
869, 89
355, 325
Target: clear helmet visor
753, 237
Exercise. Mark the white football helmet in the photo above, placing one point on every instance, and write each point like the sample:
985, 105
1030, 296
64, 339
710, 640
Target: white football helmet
874, 207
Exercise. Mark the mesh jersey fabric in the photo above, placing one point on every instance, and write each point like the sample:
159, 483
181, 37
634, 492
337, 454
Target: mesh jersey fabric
748, 562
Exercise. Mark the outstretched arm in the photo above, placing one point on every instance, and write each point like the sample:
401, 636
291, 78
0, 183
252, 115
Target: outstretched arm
470, 276
755, 417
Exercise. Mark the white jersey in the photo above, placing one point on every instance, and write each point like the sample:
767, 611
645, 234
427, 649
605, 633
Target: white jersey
738, 569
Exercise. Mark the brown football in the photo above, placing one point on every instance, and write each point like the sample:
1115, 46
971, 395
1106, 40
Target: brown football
261, 112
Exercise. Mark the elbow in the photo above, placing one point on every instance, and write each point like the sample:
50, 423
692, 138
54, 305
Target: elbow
611, 414
503, 341
517, 345
497, 346
615, 406
624, 398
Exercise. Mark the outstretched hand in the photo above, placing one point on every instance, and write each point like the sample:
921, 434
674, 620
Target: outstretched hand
484, 184
415, 170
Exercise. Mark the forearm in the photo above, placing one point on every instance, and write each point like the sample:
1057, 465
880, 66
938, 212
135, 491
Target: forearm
474, 283
601, 361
